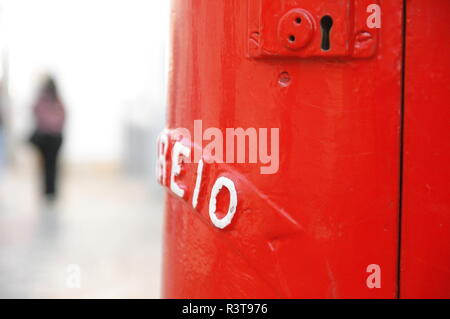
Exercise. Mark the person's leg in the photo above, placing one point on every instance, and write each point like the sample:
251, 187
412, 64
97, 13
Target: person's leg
52, 165
42, 148
50, 174
58, 143
46, 165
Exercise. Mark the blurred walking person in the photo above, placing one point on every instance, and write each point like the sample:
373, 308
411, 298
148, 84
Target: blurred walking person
49, 117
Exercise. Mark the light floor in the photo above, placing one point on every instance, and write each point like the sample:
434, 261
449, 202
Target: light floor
102, 239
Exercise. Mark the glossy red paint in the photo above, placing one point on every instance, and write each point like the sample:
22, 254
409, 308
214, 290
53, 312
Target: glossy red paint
310, 230
425, 258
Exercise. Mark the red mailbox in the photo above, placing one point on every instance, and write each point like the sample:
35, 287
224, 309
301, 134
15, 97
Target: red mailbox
306, 152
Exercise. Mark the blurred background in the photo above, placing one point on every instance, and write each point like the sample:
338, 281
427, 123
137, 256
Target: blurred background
100, 237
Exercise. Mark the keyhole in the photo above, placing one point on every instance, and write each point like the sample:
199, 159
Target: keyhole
326, 23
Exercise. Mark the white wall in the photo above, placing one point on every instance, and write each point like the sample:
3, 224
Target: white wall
108, 57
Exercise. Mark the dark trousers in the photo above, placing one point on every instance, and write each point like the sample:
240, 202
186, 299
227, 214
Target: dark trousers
49, 146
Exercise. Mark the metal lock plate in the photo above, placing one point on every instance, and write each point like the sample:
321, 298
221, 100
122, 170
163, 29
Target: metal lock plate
310, 28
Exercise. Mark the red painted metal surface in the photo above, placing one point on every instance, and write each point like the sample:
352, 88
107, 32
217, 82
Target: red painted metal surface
425, 258
312, 229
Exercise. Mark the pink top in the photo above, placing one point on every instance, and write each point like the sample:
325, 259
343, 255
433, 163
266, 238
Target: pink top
49, 115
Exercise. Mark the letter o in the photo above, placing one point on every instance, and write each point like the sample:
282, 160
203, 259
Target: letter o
225, 221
